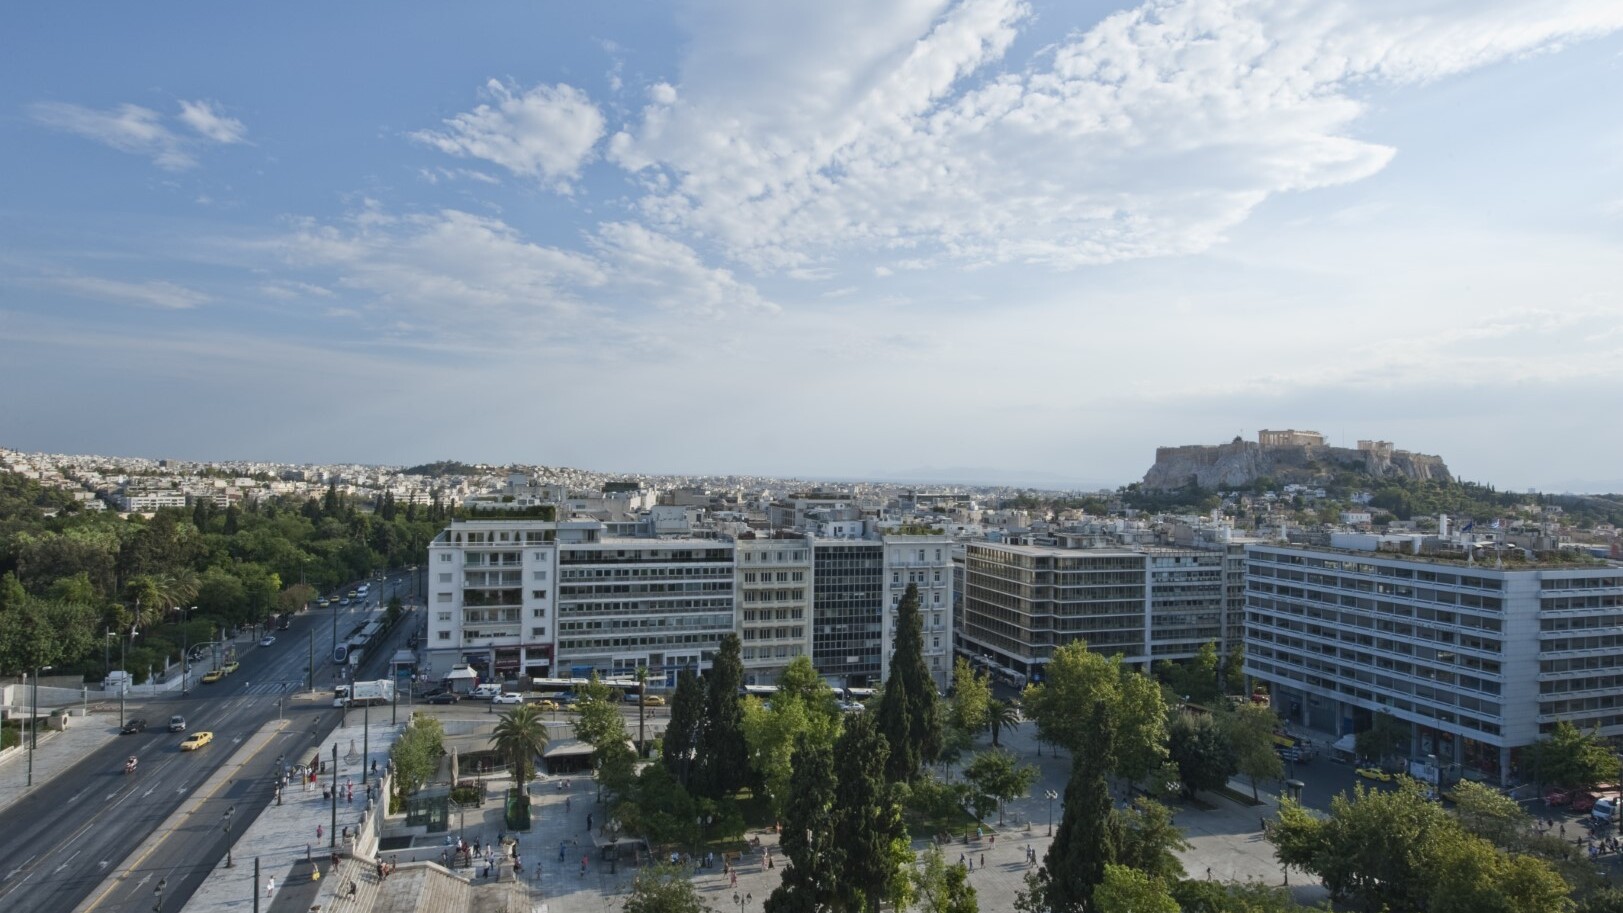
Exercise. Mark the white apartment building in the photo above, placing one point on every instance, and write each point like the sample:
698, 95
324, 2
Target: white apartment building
925, 561
773, 580
150, 500
492, 595
1479, 660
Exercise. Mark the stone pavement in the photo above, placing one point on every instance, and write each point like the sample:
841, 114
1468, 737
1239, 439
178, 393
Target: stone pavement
57, 752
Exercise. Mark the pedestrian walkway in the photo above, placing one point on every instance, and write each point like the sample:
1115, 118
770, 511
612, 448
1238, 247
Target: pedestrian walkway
291, 839
57, 752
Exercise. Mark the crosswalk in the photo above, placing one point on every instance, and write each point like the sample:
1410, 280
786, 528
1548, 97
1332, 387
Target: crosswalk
274, 687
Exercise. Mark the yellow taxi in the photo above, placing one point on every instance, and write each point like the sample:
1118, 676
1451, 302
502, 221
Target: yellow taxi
230, 667
196, 740
212, 676
546, 705
653, 700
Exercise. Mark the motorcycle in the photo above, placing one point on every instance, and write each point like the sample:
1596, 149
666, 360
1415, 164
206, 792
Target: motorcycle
129, 766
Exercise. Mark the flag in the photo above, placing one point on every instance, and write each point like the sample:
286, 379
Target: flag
1468, 526
1496, 523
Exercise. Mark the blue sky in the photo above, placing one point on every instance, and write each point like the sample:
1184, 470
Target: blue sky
989, 238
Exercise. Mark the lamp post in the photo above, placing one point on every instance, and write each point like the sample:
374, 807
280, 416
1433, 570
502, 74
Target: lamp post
225, 824
157, 892
741, 900
124, 683
33, 723
366, 736
1052, 795
185, 653
332, 832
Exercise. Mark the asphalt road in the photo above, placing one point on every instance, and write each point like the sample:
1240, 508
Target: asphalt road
60, 843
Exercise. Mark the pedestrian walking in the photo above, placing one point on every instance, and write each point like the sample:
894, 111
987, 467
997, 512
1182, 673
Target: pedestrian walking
960, 858
588, 822
566, 803
319, 832
270, 886
734, 879
983, 860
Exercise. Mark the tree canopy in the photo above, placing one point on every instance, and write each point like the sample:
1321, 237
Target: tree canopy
1134, 710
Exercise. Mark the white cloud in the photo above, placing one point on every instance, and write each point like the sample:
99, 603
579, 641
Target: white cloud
206, 118
546, 133
143, 131
155, 293
794, 132
127, 128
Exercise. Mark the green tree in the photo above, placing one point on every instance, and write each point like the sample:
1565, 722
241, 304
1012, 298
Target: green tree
867, 819
1204, 756
682, 732
661, 810
1196, 680
971, 697
1001, 715
416, 754
1148, 840
1127, 890
1572, 758
908, 715
598, 721
1490, 814
1088, 838
999, 776
1249, 729
772, 732
943, 888
722, 755
1234, 670
1135, 711
1606, 900
1385, 737
664, 888
812, 881
520, 737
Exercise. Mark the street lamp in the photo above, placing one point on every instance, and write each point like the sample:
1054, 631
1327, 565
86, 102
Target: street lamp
225, 824
741, 900
157, 892
1051, 797
33, 723
185, 651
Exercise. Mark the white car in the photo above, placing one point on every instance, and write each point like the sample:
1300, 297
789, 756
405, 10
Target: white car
267, 640
508, 697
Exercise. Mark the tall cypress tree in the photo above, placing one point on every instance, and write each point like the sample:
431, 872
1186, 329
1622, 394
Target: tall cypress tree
868, 820
811, 880
682, 735
1088, 838
908, 713
723, 755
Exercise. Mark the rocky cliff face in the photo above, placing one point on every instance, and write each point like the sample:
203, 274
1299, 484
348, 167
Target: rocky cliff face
1240, 463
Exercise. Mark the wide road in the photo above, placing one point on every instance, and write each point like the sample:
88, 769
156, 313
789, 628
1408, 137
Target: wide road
60, 843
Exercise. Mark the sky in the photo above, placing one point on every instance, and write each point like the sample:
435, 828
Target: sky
986, 240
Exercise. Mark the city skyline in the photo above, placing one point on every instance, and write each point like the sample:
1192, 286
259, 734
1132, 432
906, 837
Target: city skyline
971, 241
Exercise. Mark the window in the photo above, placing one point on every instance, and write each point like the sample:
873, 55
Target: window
538, 594
538, 613
538, 632
937, 643
445, 578
443, 597
445, 635
445, 556
538, 575
445, 616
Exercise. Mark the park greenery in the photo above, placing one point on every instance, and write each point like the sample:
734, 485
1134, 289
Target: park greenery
78, 587
416, 754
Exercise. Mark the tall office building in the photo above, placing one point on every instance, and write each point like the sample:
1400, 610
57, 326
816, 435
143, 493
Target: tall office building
848, 611
1020, 602
925, 562
1477, 660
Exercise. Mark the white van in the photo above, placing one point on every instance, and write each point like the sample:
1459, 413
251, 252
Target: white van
485, 692
1604, 810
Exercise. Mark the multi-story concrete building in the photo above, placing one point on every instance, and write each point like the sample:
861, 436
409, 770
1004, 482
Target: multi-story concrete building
660, 603
773, 581
150, 500
925, 562
492, 594
848, 611
1148, 604
1479, 660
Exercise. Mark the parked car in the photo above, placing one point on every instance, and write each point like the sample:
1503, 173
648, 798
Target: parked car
444, 697
212, 676
177, 723
1558, 797
196, 740
1604, 810
508, 697
267, 640
133, 725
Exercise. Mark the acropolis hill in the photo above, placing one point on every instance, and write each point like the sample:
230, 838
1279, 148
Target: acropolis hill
1286, 457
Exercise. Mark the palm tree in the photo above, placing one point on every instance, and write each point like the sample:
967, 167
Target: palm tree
521, 737
1000, 714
